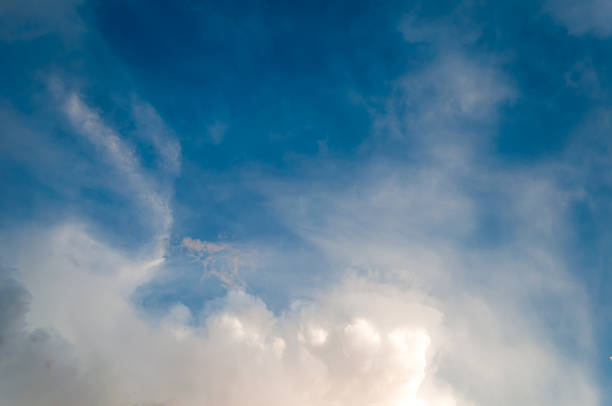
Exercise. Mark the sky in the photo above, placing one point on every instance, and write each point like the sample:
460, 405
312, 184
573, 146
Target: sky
305, 203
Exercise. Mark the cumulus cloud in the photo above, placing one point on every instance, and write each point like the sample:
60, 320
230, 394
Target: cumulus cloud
109, 355
359, 341
499, 307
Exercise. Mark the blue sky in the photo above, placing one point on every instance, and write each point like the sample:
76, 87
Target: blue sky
322, 203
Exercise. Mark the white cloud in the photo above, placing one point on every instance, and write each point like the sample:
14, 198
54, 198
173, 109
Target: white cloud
421, 223
385, 343
105, 353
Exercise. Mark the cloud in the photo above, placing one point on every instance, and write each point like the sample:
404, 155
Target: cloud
415, 315
199, 246
150, 190
152, 128
25, 20
417, 307
384, 342
502, 307
454, 28
439, 106
222, 260
586, 17
216, 132
481, 241
107, 354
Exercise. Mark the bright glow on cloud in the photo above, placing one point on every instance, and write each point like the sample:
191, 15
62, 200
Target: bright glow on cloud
381, 343
109, 355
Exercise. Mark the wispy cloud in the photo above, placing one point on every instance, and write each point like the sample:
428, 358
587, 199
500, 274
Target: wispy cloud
216, 132
26, 20
586, 17
151, 192
224, 261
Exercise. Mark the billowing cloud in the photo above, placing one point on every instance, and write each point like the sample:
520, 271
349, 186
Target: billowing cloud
360, 341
